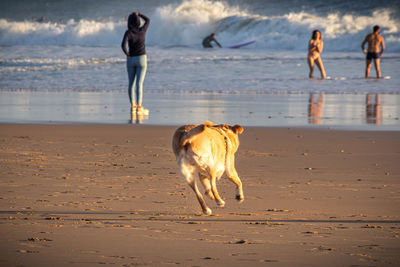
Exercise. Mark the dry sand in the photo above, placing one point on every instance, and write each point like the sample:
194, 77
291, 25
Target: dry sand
88, 195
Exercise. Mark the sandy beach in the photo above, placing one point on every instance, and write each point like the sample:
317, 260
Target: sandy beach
88, 195
84, 182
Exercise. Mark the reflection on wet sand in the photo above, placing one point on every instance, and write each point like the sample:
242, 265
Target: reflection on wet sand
373, 109
315, 108
138, 118
275, 110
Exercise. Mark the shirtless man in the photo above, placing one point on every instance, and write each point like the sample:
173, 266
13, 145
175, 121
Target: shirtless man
376, 46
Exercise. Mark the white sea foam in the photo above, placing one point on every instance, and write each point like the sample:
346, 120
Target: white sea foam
186, 23
40, 64
342, 32
82, 32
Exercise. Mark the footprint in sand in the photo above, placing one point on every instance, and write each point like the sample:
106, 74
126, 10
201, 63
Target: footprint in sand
323, 249
268, 261
209, 258
89, 251
311, 233
372, 226
277, 210
26, 251
36, 239
372, 246
239, 242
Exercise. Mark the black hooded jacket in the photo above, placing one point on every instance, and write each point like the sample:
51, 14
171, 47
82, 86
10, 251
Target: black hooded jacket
135, 36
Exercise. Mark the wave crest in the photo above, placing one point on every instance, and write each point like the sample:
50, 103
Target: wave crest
83, 32
188, 22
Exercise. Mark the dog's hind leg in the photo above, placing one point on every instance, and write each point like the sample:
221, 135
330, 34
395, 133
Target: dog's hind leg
188, 173
214, 190
205, 180
206, 210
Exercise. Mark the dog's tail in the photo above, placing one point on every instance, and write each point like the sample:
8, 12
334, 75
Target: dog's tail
184, 135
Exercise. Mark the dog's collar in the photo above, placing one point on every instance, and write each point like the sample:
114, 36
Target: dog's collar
225, 141
226, 145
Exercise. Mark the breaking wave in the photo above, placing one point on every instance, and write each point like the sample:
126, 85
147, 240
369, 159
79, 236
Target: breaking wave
186, 23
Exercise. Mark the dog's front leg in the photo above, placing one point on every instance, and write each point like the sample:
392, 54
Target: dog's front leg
239, 188
234, 177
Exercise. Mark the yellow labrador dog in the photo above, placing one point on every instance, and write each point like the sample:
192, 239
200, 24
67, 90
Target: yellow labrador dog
208, 150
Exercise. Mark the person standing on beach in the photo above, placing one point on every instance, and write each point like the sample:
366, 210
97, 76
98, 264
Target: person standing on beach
136, 62
315, 46
211, 38
376, 46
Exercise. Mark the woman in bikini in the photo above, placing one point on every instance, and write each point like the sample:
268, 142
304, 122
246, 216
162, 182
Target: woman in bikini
315, 47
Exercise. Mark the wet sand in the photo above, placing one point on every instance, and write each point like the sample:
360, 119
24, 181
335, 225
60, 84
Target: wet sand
89, 195
339, 111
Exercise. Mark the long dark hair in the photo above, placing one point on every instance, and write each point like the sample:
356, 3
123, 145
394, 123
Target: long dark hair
314, 35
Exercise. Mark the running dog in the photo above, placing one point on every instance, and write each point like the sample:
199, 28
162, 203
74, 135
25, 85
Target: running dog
208, 150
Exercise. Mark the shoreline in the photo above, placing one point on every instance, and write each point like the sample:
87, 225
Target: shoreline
130, 124
353, 112
112, 194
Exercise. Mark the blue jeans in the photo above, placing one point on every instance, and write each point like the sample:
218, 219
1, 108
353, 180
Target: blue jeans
137, 67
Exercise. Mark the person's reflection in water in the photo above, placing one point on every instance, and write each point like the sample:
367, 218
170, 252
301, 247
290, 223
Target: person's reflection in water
315, 108
137, 119
373, 108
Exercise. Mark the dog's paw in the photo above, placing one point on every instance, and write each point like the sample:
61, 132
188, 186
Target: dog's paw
221, 203
239, 198
207, 211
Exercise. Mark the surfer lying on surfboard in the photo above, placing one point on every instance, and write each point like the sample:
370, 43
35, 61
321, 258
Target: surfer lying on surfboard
211, 38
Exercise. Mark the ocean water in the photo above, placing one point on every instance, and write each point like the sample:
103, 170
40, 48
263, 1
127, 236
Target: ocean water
62, 49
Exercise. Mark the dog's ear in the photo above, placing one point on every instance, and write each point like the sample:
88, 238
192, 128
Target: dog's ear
209, 123
237, 129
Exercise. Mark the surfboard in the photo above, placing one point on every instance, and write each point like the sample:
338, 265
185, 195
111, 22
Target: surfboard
241, 45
